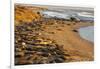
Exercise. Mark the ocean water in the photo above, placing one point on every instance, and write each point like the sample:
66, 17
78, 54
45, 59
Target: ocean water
50, 14
87, 33
82, 15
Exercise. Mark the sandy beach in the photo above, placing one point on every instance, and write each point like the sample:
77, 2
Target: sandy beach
49, 31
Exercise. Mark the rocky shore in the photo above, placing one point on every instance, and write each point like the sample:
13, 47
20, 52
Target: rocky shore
41, 40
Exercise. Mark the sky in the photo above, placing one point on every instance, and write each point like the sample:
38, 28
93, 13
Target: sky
77, 3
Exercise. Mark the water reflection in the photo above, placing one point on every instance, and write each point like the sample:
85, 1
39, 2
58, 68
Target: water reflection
87, 33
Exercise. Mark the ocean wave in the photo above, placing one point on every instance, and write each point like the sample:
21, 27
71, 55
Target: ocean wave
67, 15
55, 14
85, 14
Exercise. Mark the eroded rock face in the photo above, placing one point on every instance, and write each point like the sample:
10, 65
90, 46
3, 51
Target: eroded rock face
27, 13
31, 48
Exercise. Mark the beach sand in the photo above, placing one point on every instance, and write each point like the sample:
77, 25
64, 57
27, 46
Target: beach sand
79, 48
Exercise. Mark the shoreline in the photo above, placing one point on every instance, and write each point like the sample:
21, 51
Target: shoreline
74, 39
34, 34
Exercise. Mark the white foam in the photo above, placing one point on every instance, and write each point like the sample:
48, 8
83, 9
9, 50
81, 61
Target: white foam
67, 15
85, 14
55, 14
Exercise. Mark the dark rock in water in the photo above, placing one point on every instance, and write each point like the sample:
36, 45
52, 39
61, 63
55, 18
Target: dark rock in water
74, 19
